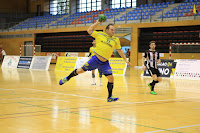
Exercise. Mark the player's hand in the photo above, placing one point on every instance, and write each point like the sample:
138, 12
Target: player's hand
158, 61
144, 68
98, 22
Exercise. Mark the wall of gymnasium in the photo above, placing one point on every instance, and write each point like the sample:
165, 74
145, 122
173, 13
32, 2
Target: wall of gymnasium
143, 2
13, 6
12, 46
23, 6
43, 3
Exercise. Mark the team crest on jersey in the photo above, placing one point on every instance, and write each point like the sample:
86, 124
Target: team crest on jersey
108, 40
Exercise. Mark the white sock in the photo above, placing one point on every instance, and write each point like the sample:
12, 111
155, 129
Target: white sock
93, 81
101, 81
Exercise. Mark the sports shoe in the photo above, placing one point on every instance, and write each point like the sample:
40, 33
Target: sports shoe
149, 86
110, 99
62, 81
153, 93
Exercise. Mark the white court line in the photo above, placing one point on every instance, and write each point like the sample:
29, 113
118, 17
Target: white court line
173, 128
7, 89
105, 99
35, 98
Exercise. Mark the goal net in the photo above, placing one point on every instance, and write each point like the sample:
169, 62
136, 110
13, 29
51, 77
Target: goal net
184, 48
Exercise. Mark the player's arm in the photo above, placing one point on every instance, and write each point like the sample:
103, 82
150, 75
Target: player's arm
92, 27
159, 60
121, 53
143, 60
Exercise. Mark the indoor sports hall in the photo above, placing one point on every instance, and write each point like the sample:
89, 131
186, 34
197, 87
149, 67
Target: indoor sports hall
43, 41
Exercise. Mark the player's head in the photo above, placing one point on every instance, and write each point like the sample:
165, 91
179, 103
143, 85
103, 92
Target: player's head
94, 43
152, 45
110, 29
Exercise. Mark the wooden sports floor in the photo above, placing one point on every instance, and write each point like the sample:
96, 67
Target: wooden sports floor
31, 101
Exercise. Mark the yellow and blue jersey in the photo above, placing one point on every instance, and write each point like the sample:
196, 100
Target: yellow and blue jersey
105, 45
92, 50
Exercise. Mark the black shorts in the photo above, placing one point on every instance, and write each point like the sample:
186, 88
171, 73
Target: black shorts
153, 71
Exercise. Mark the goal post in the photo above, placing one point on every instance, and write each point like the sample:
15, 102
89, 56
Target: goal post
36, 48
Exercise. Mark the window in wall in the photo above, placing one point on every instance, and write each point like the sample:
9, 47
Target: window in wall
122, 3
59, 7
89, 5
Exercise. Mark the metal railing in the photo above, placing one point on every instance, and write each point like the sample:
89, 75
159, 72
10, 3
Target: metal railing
16, 26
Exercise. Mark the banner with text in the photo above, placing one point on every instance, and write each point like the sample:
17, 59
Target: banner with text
24, 62
71, 54
10, 61
65, 63
81, 61
187, 69
118, 66
54, 55
165, 68
41, 62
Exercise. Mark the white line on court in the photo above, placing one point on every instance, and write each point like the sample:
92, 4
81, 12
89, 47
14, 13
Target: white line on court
7, 89
173, 128
36, 99
105, 99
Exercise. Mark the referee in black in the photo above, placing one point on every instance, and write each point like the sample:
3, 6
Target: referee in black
150, 60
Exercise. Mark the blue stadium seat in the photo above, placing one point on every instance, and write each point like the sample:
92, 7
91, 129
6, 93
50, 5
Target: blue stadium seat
175, 15
165, 16
117, 19
153, 13
180, 15
129, 18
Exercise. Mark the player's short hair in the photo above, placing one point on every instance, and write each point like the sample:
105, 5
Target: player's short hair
108, 26
152, 42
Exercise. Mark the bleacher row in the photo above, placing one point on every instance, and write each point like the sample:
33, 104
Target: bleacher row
88, 17
38, 21
183, 10
118, 14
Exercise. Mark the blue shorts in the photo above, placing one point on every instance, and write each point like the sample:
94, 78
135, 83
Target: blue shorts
94, 63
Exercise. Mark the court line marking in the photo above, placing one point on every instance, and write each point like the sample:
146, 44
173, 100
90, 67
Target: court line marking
36, 98
106, 99
174, 128
7, 89
96, 117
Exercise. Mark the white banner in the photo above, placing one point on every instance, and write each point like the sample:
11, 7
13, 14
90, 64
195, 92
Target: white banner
81, 61
187, 69
87, 54
10, 61
71, 54
40, 62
